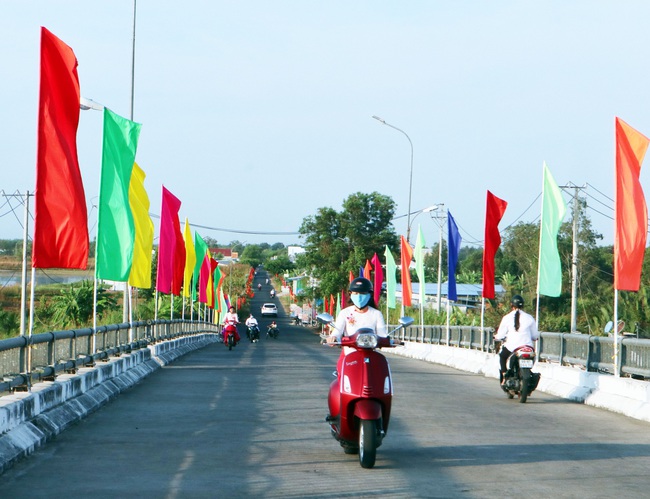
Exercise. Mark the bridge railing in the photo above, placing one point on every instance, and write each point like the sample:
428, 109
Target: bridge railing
592, 353
28, 359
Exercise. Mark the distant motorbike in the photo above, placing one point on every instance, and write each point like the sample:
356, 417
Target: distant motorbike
519, 379
253, 334
272, 293
259, 287
230, 336
297, 321
272, 331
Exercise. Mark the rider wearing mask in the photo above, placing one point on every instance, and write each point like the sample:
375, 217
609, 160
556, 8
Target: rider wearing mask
518, 329
362, 313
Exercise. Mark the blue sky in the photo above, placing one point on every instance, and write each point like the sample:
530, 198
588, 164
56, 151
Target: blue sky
257, 113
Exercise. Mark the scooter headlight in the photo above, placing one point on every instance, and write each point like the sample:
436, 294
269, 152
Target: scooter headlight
367, 340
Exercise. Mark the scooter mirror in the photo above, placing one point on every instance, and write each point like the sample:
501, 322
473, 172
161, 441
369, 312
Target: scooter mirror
406, 321
324, 318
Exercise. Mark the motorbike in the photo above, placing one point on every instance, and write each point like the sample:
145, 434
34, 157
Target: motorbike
259, 287
360, 397
253, 334
519, 379
272, 332
229, 333
272, 293
297, 321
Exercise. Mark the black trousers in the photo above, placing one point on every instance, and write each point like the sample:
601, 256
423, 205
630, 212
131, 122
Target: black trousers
503, 357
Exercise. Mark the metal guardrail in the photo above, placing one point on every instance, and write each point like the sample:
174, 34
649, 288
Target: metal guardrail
25, 360
591, 353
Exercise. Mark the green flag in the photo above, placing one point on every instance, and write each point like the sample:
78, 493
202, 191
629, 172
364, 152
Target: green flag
391, 280
200, 250
419, 262
115, 225
549, 280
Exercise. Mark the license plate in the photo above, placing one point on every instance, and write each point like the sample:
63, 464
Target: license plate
526, 363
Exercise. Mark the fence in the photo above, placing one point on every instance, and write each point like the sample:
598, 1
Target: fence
592, 353
25, 360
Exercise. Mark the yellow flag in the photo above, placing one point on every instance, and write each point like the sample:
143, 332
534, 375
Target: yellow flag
190, 260
140, 275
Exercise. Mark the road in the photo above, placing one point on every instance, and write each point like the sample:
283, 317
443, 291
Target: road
249, 423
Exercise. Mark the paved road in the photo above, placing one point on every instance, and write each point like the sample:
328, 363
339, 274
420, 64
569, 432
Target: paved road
248, 423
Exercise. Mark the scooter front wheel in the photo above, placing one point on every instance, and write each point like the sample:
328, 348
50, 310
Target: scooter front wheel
367, 443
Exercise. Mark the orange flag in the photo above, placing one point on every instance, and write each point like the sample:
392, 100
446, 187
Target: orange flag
631, 212
351, 277
367, 270
407, 256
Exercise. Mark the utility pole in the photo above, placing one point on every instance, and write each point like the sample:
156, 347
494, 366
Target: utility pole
574, 256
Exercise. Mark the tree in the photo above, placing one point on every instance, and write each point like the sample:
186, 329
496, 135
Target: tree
252, 255
74, 306
340, 242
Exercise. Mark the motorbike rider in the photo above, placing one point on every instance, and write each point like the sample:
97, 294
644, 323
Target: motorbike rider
362, 313
259, 287
231, 319
273, 327
518, 329
250, 323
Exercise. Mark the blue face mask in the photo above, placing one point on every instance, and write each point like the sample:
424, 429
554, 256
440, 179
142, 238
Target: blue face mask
360, 301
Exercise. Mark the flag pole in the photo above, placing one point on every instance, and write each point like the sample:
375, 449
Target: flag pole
23, 290
616, 372
482, 320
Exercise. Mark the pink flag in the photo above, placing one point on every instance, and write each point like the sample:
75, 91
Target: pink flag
170, 257
379, 278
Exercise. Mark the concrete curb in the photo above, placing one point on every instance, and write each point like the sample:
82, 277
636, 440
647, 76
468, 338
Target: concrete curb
29, 419
626, 396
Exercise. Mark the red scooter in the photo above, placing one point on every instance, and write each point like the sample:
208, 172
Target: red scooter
360, 397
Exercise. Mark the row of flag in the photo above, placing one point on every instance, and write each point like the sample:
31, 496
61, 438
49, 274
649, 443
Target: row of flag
125, 231
631, 227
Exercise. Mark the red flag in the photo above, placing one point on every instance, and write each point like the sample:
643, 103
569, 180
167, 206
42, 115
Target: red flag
494, 210
344, 298
407, 256
379, 278
631, 211
60, 220
171, 247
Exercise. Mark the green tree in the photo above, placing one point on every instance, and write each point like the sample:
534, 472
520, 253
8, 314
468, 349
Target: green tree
252, 255
73, 307
339, 242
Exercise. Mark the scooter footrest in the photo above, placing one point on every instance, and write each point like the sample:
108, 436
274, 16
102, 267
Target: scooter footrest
331, 419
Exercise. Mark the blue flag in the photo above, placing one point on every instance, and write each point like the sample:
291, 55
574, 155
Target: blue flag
452, 256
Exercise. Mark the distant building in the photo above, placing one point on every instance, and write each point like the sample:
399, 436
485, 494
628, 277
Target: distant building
469, 295
294, 251
226, 252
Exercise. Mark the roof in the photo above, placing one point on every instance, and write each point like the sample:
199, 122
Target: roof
431, 289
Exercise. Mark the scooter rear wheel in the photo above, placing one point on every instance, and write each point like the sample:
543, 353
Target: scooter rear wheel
367, 443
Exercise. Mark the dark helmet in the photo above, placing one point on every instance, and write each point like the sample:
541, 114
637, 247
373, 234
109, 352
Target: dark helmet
360, 285
517, 301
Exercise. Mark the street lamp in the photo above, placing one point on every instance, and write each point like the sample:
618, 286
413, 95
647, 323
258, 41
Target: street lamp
408, 222
439, 220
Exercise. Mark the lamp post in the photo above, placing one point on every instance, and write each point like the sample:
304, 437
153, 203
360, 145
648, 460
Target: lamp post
408, 222
439, 220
